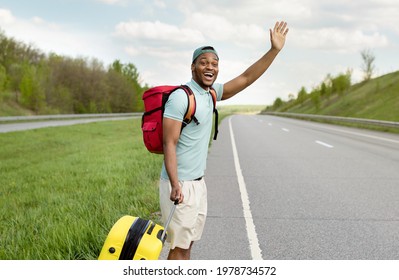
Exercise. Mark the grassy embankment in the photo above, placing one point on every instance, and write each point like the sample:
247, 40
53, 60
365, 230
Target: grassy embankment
61, 189
376, 99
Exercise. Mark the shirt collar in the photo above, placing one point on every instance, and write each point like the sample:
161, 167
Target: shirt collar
197, 87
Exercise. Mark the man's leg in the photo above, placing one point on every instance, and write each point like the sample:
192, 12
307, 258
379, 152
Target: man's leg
180, 254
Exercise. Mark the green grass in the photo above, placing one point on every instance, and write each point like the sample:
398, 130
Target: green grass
9, 107
240, 109
62, 189
376, 99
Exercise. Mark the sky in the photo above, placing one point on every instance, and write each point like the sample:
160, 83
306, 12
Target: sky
159, 37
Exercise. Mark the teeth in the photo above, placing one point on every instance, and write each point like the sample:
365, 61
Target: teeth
208, 74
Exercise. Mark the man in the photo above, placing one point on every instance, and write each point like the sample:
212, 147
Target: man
185, 151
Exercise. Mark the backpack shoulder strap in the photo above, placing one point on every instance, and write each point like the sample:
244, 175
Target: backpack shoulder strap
214, 96
191, 108
214, 99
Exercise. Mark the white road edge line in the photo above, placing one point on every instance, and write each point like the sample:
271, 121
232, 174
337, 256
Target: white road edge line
357, 133
324, 144
256, 252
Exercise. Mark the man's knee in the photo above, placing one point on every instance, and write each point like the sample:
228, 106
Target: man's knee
179, 253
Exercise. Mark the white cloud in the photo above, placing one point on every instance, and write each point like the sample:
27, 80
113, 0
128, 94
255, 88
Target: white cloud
160, 4
157, 31
162, 53
258, 12
37, 20
165, 72
51, 37
6, 17
218, 28
112, 2
337, 40
132, 51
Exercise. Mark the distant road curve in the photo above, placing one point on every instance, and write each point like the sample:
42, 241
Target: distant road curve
35, 122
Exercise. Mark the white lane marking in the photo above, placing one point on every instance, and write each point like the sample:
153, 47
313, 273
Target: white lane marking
285, 129
324, 144
256, 252
357, 133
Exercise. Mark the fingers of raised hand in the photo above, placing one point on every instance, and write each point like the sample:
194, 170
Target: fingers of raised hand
281, 27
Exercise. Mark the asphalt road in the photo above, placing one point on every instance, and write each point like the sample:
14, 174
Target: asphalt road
315, 191
18, 126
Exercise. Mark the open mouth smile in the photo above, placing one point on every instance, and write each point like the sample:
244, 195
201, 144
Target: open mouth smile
209, 75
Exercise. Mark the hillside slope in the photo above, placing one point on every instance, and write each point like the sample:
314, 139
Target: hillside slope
377, 99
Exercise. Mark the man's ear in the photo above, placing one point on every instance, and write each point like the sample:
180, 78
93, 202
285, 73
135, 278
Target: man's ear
192, 67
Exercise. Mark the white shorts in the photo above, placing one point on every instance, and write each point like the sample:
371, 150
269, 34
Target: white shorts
189, 218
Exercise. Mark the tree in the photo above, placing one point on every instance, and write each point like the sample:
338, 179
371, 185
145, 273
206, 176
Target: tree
32, 94
54, 83
3, 78
315, 97
302, 96
341, 83
117, 66
368, 64
277, 103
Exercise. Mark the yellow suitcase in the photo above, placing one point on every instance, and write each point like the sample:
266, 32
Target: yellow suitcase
133, 238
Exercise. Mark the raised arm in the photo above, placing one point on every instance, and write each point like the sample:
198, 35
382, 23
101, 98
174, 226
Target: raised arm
277, 38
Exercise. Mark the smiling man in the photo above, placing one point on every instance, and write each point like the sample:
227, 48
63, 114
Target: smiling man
185, 151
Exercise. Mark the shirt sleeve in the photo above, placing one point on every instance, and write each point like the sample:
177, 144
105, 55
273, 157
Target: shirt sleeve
219, 90
176, 106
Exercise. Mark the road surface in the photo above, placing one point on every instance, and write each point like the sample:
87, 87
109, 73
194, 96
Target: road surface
18, 126
309, 191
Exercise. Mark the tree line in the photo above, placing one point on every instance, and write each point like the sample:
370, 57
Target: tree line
51, 83
330, 85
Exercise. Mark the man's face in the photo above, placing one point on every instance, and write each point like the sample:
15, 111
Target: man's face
205, 70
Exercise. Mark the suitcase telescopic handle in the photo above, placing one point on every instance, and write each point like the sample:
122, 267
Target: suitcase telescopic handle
169, 218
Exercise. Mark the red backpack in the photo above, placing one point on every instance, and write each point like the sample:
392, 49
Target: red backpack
154, 105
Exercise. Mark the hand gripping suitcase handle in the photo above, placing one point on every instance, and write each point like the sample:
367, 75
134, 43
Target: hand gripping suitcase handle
169, 219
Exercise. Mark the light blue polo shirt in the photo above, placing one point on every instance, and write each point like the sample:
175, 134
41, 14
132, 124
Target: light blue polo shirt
192, 147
